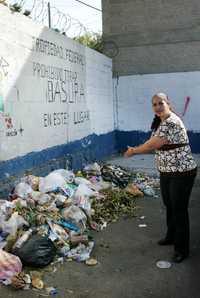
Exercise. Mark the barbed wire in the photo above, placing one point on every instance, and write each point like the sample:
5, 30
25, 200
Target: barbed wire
37, 10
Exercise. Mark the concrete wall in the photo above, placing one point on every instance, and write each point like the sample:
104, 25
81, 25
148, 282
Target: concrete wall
133, 95
152, 36
56, 99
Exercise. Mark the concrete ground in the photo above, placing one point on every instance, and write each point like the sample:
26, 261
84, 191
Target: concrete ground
127, 256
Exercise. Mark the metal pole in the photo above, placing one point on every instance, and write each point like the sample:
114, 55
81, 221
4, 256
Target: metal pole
49, 14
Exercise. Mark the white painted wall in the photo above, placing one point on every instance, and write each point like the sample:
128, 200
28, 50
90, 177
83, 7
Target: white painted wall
132, 95
38, 111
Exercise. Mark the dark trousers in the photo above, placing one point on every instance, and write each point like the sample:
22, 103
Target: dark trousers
176, 193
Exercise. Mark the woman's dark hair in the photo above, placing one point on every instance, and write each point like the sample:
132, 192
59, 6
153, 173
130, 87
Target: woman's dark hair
155, 123
156, 120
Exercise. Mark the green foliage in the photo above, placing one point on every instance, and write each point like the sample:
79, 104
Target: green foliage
115, 203
91, 40
15, 7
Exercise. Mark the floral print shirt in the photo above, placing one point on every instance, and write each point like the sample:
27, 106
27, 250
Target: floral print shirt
178, 159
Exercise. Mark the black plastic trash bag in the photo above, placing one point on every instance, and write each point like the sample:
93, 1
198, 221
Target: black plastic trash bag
38, 251
115, 174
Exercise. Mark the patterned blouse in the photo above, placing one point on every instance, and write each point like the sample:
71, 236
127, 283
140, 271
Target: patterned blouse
178, 159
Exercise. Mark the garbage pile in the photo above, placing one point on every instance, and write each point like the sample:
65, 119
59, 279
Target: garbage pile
51, 217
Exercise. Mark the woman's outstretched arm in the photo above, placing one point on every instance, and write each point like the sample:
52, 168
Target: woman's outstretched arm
150, 145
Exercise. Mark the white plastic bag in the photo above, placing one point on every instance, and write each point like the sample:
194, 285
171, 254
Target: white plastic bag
22, 190
67, 175
82, 196
84, 190
51, 182
14, 223
83, 202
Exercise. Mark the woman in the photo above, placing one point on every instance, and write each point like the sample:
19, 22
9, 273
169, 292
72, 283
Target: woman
177, 172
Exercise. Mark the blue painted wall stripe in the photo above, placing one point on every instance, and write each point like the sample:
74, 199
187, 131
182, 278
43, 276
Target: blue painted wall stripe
78, 153
194, 138
84, 151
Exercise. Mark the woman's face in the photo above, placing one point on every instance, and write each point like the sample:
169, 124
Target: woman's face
160, 107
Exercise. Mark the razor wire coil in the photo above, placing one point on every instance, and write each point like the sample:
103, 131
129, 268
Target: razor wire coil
38, 11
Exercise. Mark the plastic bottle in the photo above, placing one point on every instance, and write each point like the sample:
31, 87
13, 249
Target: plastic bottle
23, 239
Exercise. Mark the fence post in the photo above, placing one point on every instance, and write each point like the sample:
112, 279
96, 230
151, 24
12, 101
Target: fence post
49, 14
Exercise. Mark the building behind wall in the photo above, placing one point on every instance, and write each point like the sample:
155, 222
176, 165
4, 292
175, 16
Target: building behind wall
155, 46
153, 36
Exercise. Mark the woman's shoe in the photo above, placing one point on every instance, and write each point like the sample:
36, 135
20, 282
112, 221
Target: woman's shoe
179, 257
165, 241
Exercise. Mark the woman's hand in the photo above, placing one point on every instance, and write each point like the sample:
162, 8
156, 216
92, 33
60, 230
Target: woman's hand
150, 145
129, 152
